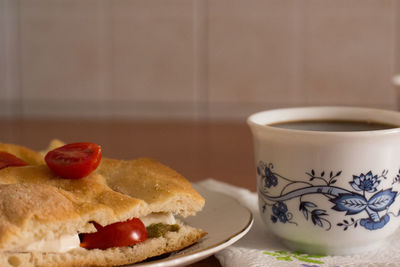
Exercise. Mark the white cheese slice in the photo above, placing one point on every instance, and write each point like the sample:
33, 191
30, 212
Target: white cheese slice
160, 217
63, 244
68, 242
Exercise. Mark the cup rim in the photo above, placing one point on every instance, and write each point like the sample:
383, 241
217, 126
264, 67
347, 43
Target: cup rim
262, 119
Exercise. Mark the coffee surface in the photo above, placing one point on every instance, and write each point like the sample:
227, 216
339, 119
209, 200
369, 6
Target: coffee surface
333, 125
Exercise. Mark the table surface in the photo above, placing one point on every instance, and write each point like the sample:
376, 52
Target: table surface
197, 150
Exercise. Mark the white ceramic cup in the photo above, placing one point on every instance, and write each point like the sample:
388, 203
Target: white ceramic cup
322, 192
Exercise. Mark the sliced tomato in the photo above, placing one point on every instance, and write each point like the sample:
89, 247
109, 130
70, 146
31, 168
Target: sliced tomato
8, 160
74, 161
120, 234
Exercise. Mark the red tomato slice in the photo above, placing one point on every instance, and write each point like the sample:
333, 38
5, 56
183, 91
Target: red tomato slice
8, 160
74, 161
120, 234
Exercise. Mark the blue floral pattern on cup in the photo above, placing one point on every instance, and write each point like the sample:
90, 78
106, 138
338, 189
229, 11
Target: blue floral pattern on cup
363, 199
267, 175
366, 182
279, 210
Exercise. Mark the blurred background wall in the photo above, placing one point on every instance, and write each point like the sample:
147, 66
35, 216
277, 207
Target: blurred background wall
194, 59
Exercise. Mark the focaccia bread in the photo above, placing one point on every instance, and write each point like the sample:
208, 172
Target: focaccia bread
38, 206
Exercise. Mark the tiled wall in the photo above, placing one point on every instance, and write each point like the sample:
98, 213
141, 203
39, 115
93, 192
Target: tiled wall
194, 59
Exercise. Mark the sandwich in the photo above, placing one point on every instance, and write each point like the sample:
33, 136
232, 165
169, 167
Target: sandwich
68, 206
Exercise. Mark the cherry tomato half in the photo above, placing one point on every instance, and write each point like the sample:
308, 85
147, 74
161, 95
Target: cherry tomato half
74, 160
8, 160
118, 234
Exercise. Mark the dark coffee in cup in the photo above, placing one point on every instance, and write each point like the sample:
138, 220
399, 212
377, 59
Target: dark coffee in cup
333, 125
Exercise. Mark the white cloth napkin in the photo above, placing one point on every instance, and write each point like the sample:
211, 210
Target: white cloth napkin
260, 248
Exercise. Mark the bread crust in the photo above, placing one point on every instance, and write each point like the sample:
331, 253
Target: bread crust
29, 156
172, 241
162, 188
36, 204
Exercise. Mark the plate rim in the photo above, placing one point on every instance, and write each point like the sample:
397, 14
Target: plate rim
197, 255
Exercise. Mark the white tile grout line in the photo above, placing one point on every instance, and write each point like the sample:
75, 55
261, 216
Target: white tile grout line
15, 26
20, 84
3, 53
395, 64
200, 58
175, 110
396, 37
298, 72
104, 47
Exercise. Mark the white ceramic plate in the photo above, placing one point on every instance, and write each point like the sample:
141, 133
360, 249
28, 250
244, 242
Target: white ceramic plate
225, 221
